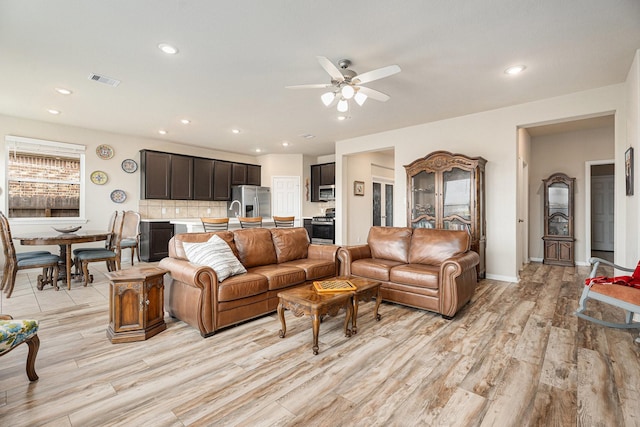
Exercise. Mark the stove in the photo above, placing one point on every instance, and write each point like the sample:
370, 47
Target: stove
323, 228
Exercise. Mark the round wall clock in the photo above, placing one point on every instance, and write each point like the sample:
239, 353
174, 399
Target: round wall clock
99, 177
129, 166
104, 151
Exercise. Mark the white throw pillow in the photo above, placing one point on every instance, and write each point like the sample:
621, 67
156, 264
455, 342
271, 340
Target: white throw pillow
216, 254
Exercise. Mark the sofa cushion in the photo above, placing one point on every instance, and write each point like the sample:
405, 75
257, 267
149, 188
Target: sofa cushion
280, 276
371, 268
290, 243
419, 275
255, 247
391, 243
242, 286
315, 268
216, 254
434, 246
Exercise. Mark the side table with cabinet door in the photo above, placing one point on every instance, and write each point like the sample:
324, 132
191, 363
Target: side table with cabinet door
136, 304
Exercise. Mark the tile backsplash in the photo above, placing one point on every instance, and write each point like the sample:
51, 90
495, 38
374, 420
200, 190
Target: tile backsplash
173, 209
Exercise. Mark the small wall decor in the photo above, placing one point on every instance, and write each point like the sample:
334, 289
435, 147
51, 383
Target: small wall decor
129, 165
104, 151
99, 177
118, 196
358, 188
628, 170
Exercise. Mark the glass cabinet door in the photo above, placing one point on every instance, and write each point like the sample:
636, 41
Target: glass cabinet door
423, 211
558, 199
456, 199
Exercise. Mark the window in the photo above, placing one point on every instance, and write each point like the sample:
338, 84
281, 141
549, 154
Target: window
44, 178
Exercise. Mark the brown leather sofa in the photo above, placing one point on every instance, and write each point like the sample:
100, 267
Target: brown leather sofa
424, 268
275, 259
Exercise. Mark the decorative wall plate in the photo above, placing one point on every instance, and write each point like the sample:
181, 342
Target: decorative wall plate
104, 151
118, 196
99, 177
129, 166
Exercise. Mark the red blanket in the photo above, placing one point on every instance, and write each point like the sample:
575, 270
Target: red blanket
633, 280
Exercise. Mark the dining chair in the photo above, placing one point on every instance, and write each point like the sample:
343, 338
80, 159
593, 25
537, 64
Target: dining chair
253, 222
48, 262
108, 243
130, 236
284, 221
215, 224
110, 256
15, 332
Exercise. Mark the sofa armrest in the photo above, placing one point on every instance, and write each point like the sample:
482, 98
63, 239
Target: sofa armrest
348, 254
189, 273
327, 252
458, 280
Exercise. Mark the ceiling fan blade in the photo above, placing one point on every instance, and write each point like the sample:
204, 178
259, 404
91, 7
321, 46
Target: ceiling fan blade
328, 66
374, 94
312, 86
379, 73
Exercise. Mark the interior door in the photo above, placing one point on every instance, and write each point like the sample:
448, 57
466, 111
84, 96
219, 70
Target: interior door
382, 203
286, 197
602, 213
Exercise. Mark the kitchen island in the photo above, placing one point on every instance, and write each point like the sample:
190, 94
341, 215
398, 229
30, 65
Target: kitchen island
194, 225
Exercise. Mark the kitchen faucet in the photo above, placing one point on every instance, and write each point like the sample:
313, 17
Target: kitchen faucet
239, 207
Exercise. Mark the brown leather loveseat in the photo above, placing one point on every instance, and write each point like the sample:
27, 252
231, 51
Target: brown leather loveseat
275, 259
424, 268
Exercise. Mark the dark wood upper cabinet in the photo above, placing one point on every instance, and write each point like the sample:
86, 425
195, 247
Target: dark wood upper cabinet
254, 175
222, 180
322, 174
238, 174
202, 179
155, 169
181, 177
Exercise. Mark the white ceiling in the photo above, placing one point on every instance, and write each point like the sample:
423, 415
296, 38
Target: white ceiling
236, 57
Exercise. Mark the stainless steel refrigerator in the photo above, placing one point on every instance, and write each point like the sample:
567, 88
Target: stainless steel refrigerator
249, 201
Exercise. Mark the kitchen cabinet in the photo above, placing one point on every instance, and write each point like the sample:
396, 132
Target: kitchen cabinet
308, 226
238, 174
446, 190
558, 236
154, 240
321, 174
181, 177
202, 179
155, 175
222, 180
254, 175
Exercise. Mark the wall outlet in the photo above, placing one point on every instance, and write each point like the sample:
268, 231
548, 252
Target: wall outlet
164, 211
177, 210
208, 210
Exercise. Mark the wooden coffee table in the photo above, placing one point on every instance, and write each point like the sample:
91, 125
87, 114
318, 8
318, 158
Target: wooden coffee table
367, 289
305, 300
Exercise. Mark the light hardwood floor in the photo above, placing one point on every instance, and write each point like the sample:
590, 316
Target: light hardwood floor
515, 356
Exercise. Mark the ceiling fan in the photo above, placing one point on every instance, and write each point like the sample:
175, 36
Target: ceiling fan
346, 84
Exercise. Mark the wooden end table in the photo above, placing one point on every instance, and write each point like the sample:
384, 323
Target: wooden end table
366, 289
136, 304
305, 300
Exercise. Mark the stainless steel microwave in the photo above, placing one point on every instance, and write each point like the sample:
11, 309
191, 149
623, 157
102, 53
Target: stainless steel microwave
327, 192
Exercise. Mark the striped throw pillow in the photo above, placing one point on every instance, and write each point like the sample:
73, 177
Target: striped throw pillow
216, 254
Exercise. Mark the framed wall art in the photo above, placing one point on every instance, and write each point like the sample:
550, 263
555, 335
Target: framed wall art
358, 188
628, 171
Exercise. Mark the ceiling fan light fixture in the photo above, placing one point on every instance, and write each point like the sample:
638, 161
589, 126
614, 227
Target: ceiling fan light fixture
327, 98
360, 97
347, 91
343, 105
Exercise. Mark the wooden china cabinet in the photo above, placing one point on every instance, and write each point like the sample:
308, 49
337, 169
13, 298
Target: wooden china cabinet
559, 241
446, 190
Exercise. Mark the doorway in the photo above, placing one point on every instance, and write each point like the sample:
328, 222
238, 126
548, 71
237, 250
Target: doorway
382, 202
286, 197
602, 210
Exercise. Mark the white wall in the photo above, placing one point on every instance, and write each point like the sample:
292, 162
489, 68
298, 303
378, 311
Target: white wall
632, 206
492, 135
565, 152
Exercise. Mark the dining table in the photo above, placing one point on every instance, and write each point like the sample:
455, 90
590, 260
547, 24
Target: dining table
64, 241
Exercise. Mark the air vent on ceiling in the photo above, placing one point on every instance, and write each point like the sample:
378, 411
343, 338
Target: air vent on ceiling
104, 79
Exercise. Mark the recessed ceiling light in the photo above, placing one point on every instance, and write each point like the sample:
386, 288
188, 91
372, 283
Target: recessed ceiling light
285, 144
516, 69
185, 121
63, 91
54, 112
162, 132
168, 49
258, 150
235, 130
